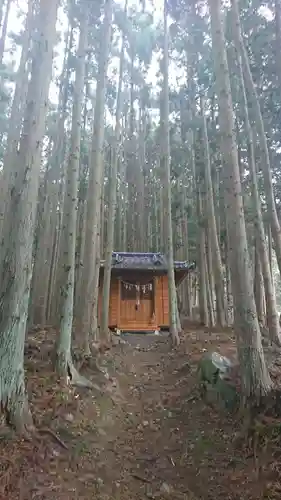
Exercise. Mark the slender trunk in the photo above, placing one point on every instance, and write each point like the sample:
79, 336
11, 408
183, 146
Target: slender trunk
278, 39
18, 227
228, 286
17, 113
102, 213
255, 377
51, 281
255, 105
271, 308
112, 203
79, 277
96, 175
63, 348
156, 224
174, 323
58, 165
203, 304
4, 30
94, 310
258, 286
48, 247
140, 206
163, 229
209, 269
80, 241
1, 11
270, 253
210, 303
215, 248
185, 250
40, 247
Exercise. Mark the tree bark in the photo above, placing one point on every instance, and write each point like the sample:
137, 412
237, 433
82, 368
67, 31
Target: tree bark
255, 105
112, 202
215, 249
1, 11
95, 176
174, 323
64, 363
256, 381
271, 307
18, 227
4, 30
203, 303
17, 114
58, 165
278, 38
258, 287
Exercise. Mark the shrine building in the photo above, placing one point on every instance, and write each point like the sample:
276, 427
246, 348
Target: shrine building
139, 295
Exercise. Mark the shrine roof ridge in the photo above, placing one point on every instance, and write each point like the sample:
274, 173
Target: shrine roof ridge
146, 260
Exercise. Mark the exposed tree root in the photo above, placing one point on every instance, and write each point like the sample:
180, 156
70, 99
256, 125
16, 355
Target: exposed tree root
174, 336
261, 423
90, 361
105, 338
46, 430
86, 348
18, 416
65, 368
78, 380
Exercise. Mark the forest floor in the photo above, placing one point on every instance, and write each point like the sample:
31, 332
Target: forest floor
149, 435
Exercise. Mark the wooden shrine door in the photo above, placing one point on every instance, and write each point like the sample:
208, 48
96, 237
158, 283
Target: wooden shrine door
137, 305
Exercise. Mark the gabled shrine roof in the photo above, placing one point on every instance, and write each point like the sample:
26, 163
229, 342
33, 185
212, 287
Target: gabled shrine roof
146, 261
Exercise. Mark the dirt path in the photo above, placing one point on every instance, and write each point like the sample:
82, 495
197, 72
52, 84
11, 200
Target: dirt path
169, 443
153, 438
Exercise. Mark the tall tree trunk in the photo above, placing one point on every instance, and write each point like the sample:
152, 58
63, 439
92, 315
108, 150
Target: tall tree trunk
271, 307
270, 250
53, 260
203, 303
17, 113
215, 249
140, 205
163, 217
209, 269
255, 377
94, 309
40, 248
63, 349
1, 11
4, 30
131, 161
95, 176
255, 105
278, 39
258, 286
209, 290
228, 285
18, 227
185, 250
173, 308
112, 202
58, 162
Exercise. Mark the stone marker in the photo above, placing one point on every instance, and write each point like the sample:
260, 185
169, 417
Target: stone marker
216, 381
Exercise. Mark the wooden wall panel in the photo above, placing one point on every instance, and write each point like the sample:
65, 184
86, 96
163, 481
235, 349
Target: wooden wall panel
158, 300
165, 300
122, 313
113, 302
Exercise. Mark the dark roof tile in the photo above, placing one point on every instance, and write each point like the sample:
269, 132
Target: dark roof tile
149, 261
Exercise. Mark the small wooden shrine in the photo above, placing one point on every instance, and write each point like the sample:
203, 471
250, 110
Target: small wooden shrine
139, 299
